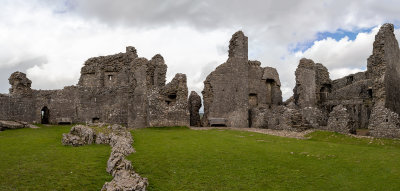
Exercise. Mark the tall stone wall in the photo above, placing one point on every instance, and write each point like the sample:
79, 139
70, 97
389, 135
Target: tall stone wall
194, 107
238, 86
384, 72
305, 89
226, 89
384, 68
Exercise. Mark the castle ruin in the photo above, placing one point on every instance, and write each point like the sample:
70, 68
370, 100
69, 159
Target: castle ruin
125, 89
121, 88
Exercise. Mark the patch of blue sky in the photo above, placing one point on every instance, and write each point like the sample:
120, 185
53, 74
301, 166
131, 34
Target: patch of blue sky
337, 35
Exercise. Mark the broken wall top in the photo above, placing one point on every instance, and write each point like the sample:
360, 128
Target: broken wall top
238, 46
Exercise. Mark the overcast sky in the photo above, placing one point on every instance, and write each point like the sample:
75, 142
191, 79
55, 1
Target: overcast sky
50, 40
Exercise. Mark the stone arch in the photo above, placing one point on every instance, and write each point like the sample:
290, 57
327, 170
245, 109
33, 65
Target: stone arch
45, 115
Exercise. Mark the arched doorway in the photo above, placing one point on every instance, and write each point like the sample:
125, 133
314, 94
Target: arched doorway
44, 114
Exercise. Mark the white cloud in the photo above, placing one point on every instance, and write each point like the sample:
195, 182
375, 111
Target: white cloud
344, 52
50, 40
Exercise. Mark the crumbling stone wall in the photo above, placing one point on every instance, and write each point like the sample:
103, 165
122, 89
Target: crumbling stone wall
384, 72
169, 104
225, 91
112, 89
239, 85
340, 120
20, 85
305, 89
359, 100
384, 122
194, 107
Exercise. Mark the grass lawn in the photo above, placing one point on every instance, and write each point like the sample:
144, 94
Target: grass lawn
35, 159
183, 159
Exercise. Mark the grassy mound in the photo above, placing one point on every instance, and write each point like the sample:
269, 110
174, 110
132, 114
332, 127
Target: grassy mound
35, 159
183, 159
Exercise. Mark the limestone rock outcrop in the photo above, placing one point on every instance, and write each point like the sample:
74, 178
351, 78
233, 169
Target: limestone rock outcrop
194, 107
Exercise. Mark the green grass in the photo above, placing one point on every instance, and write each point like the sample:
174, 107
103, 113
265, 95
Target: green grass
183, 159
35, 159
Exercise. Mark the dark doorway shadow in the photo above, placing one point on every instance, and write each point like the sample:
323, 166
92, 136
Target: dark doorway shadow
45, 114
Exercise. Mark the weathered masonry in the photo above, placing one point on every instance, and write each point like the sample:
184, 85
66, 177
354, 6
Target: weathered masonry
125, 89
239, 86
120, 88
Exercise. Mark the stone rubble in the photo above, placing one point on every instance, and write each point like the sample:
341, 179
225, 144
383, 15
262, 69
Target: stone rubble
120, 140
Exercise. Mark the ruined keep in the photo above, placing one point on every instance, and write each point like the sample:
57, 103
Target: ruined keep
239, 86
121, 88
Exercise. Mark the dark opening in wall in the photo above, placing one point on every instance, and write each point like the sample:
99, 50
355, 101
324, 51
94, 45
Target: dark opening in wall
218, 125
250, 118
95, 120
172, 96
45, 115
370, 93
110, 77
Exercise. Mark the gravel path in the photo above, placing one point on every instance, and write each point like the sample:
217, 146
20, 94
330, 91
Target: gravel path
281, 133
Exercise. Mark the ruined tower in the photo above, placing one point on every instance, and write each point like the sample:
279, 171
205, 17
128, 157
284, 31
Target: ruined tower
238, 86
384, 72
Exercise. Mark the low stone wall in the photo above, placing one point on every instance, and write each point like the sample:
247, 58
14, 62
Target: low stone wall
120, 140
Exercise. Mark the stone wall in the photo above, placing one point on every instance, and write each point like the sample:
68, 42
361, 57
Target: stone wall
237, 86
112, 89
384, 122
306, 88
226, 89
340, 120
168, 105
194, 104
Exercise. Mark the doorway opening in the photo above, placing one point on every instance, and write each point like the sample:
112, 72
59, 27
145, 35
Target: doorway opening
44, 115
